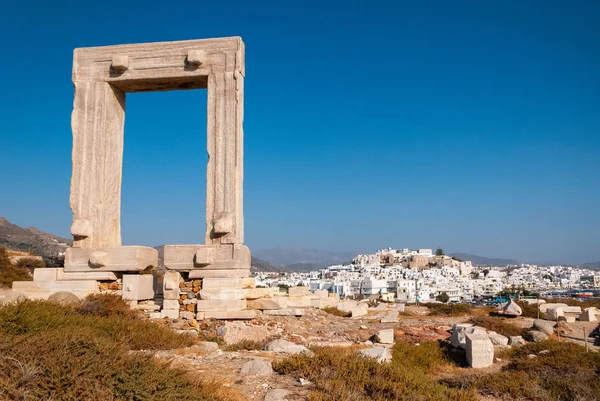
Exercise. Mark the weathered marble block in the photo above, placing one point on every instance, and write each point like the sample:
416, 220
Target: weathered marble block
119, 258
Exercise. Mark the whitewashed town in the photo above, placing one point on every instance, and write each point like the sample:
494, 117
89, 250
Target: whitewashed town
422, 275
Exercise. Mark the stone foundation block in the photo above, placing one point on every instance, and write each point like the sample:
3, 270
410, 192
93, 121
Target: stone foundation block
223, 294
61, 275
347, 306
480, 351
255, 293
231, 315
216, 283
170, 313
571, 309
322, 303
264, 304
171, 281
284, 312
230, 273
360, 310
588, 315
300, 302
546, 306
217, 305
43, 290
170, 304
554, 313
213, 257
298, 291
118, 258
322, 293
138, 287
45, 274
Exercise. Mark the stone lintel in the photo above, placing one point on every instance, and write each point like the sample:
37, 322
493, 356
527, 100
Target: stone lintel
119, 258
159, 66
209, 257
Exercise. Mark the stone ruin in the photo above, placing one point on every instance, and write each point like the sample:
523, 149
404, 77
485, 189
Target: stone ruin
210, 280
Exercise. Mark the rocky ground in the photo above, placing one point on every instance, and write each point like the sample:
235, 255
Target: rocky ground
246, 374
316, 328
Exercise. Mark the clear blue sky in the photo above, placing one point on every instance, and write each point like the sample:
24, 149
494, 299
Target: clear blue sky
472, 126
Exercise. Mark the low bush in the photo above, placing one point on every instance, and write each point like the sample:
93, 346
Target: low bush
530, 310
341, 374
584, 303
248, 345
10, 273
105, 305
51, 351
558, 371
30, 263
499, 325
337, 312
447, 309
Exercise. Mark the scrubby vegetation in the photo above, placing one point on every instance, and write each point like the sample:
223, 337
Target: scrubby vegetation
447, 309
544, 371
499, 325
340, 374
584, 303
51, 351
10, 272
337, 312
530, 310
248, 345
30, 263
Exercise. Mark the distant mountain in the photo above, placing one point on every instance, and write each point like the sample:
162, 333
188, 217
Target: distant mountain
31, 239
591, 265
262, 266
296, 258
484, 261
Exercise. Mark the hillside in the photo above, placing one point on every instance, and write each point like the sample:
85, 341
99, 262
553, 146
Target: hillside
302, 259
485, 261
31, 239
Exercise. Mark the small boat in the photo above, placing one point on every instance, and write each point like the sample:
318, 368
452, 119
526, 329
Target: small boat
582, 295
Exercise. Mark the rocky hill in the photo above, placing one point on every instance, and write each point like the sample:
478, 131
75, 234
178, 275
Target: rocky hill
303, 259
31, 239
485, 261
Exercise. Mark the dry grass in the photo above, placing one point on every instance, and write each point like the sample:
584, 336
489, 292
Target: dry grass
248, 345
10, 272
340, 374
584, 303
562, 372
49, 351
499, 325
448, 309
337, 312
530, 310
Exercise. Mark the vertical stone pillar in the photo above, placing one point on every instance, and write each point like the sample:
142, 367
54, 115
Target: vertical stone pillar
225, 139
98, 123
